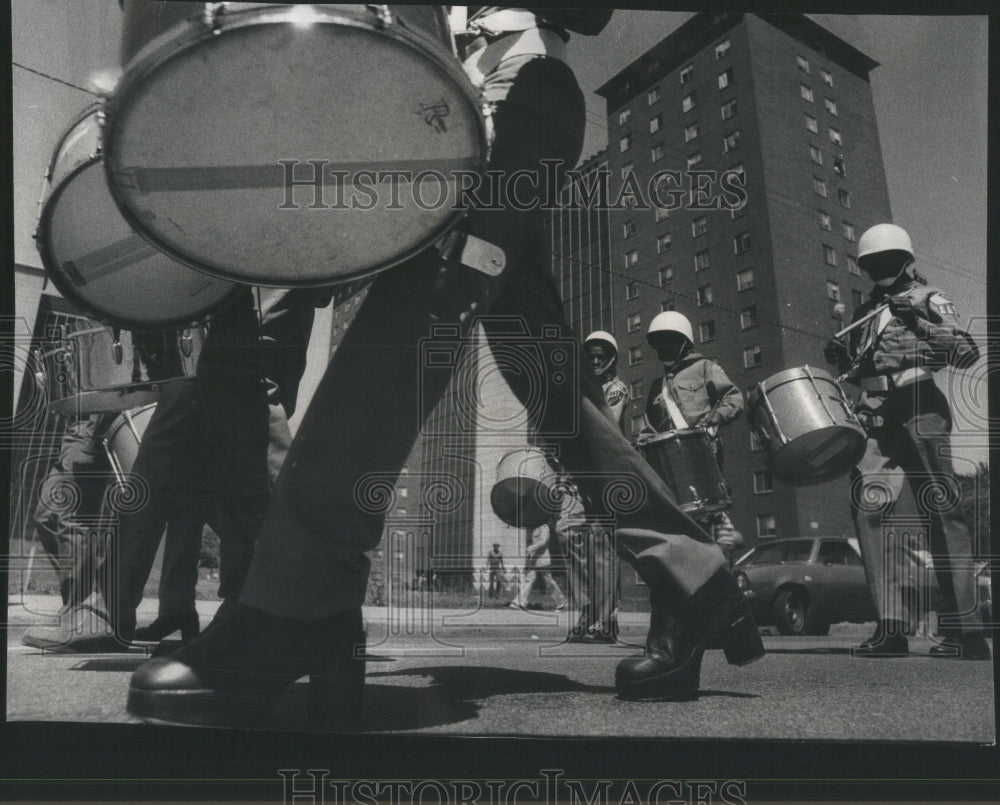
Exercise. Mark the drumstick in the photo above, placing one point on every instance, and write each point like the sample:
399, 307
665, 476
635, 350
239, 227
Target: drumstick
868, 316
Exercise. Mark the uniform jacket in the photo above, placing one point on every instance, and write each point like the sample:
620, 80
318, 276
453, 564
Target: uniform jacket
698, 386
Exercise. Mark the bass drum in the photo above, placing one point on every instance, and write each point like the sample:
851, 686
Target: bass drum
291, 145
96, 259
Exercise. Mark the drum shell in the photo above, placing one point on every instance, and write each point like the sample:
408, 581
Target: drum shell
686, 462
813, 435
524, 494
193, 168
97, 261
124, 437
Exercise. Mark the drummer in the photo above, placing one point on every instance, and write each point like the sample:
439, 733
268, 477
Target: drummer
694, 392
908, 422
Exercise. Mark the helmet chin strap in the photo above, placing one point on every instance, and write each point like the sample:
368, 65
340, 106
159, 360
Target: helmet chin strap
606, 369
681, 355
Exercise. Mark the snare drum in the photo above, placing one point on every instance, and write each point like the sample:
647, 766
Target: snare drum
94, 257
684, 459
121, 442
524, 494
91, 370
290, 145
806, 426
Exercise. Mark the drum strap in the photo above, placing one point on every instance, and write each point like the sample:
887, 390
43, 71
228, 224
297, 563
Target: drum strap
680, 423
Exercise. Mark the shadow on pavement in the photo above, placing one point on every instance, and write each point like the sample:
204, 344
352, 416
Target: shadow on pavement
119, 664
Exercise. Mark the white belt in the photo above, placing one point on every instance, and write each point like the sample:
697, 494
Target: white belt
532, 42
904, 378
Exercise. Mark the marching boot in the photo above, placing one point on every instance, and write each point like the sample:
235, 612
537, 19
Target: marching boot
971, 646
185, 622
723, 618
670, 669
887, 640
234, 672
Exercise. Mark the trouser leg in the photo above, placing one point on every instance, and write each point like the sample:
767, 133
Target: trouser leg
875, 486
181, 551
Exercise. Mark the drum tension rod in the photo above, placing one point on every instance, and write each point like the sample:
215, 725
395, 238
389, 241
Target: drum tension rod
382, 14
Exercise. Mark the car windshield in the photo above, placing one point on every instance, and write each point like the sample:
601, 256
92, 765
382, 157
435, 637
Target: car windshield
795, 551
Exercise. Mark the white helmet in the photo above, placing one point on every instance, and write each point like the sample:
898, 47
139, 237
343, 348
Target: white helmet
884, 238
601, 337
670, 321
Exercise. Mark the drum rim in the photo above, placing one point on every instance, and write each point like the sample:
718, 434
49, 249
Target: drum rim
94, 110
115, 427
177, 40
786, 376
677, 433
70, 408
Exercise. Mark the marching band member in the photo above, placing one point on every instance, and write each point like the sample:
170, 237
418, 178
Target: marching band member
694, 392
300, 609
908, 422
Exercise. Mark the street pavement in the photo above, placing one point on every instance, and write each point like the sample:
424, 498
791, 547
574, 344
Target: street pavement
508, 672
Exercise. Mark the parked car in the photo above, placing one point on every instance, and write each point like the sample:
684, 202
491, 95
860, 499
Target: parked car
803, 585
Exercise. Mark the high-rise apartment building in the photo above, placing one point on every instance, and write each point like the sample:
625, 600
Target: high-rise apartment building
788, 105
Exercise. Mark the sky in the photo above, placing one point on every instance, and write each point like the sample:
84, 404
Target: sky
930, 95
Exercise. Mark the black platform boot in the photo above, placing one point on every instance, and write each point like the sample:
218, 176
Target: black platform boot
670, 668
887, 640
234, 672
969, 646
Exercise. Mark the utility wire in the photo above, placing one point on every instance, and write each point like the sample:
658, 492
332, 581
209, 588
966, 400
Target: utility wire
57, 80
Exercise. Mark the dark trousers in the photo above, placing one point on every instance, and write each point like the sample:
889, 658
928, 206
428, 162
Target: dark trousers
370, 405
913, 446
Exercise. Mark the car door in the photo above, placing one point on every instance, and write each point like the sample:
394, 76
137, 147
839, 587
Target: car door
840, 592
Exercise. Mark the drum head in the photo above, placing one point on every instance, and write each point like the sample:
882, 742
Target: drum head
284, 152
121, 398
96, 259
819, 456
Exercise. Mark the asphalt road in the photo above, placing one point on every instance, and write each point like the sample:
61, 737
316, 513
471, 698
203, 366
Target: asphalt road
502, 672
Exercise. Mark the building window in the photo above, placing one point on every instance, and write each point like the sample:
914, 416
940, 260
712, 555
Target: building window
687, 73
831, 107
835, 137
668, 304
824, 221
706, 331
748, 317
803, 63
725, 78
635, 390
730, 141
722, 49
693, 161
704, 295
626, 170
663, 243
827, 77
632, 290
755, 445
838, 166
852, 266
848, 231
653, 95
666, 275
728, 109
690, 132
844, 198
751, 357
829, 255
857, 298
806, 93
688, 103
815, 155
744, 280
662, 213
701, 260
655, 123
623, 116
629, 228
656, 154
832, 291
819, 187
762, 482
767, 526
631, 258
634, 356
699, 226
812, 124
625, 143
633, 322
741, 243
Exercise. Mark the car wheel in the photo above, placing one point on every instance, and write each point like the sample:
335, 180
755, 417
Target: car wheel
790, 611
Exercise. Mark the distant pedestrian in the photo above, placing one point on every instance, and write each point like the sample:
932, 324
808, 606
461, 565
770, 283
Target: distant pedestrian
495, 565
